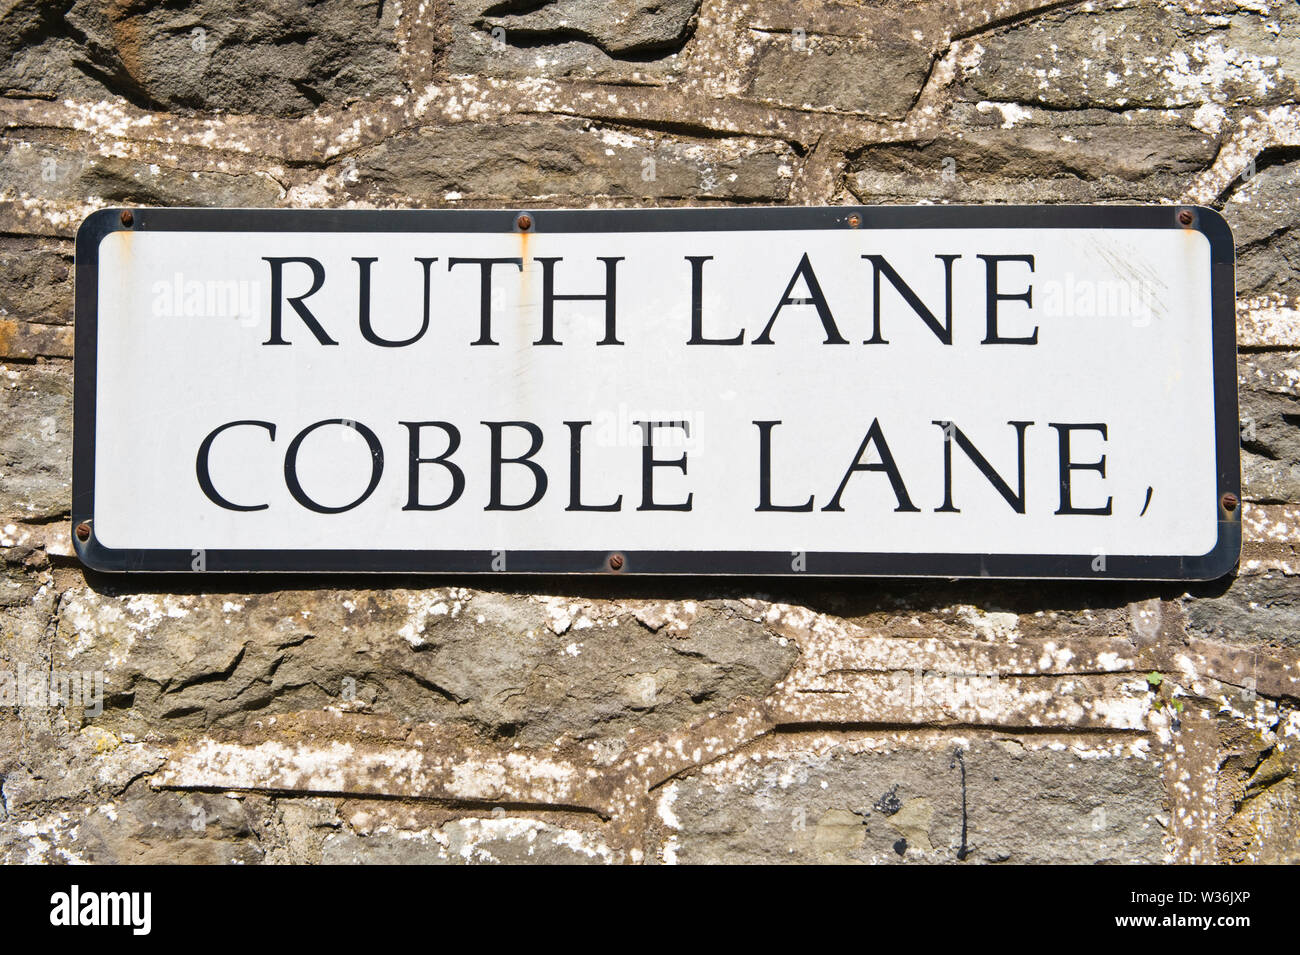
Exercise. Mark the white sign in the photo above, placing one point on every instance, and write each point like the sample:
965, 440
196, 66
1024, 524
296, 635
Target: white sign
955, 392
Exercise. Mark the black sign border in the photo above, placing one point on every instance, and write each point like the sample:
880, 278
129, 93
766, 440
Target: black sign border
1218, 562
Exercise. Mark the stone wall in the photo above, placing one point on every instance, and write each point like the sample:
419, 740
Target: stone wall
345, 719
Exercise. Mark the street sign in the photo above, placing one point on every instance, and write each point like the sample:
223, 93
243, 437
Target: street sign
894, 391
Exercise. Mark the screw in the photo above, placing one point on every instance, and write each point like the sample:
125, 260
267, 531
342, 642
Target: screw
524, 222
127, 217
1230, 502
83, 532
615, 561
854, 222
1186, 217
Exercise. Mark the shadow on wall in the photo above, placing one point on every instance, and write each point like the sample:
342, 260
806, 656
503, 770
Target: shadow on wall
849, 598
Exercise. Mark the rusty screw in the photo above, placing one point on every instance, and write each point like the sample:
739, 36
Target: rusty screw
525, 222
83, 532
1186, 217
127, 217
854, 222
1230, 502
615, 561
